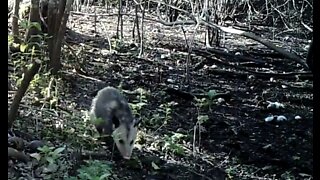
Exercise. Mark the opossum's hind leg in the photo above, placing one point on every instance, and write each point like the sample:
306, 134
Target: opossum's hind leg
105, 131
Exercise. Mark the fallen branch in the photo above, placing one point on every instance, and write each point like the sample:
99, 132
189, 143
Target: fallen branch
266, 43
85, 77
17, 155
242, 75
260, 74
190, 96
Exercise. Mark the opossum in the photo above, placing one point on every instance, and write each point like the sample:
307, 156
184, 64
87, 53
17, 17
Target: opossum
117, 119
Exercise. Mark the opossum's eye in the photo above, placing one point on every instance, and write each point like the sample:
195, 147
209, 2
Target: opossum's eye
131, 142
121, 141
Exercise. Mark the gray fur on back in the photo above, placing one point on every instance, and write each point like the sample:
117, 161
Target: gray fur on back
110, 105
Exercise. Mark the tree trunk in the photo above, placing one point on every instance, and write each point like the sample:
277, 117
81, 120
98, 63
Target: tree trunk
28, 76
142, 30
57, 21
15, 17
136, 24
52, 13
120, 21
34, 17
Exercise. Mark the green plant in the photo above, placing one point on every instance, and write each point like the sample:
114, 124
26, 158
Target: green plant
207, 101
77, 129
40, 84
28, 45
156, 119
117, 44
163, 115
48, 154
51, 159
93, 170
167, 110
200, 119
171, 143
141, 102
45, 88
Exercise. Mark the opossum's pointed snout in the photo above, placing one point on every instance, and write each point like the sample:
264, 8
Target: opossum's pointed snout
126, 155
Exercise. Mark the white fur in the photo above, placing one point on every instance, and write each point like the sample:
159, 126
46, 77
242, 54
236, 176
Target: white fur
126, 147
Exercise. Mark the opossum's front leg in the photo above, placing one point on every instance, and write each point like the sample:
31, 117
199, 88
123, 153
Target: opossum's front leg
107, 130
107, 127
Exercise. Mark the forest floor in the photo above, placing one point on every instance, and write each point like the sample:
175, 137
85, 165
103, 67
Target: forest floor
234, 142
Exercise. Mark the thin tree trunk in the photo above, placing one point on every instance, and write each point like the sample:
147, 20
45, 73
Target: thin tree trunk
142, 31
29, 74
134, 26
55, 62
34, 17
61, 12
120, 21
15, 17
137, 23
57, 19
107, 5
52, 13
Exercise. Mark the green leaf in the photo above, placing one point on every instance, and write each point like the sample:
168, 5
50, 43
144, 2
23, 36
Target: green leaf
24, 24
203, 118
59, 150
104, 176
10, 39
50, 159
37, 156
177, 136
51, 168
23, 47
35, 25
45, 149
212, 93
53, 100
156, 167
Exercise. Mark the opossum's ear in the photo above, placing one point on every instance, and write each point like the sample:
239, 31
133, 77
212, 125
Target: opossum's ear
137, 122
